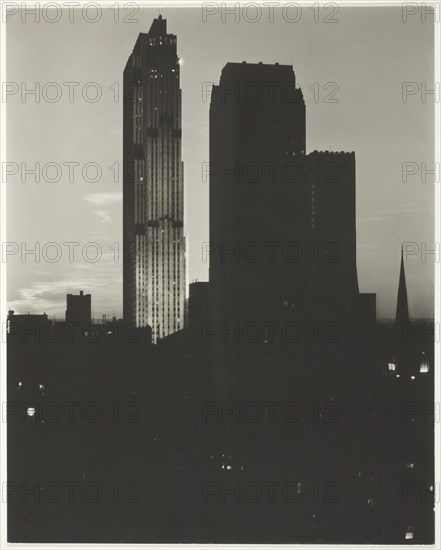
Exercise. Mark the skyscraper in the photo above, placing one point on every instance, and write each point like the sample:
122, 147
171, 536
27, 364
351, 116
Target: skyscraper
153, 194
282, 222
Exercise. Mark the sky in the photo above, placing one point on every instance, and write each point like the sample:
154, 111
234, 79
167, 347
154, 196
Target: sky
365, 57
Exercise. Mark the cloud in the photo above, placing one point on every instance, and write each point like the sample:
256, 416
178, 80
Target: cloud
108, 199
104, 199
41, 296
103, 215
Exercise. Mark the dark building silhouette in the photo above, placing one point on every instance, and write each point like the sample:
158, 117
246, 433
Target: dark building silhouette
402, 313
198, 306
282, 222
79, 308
153, 194
118, 331
28, 328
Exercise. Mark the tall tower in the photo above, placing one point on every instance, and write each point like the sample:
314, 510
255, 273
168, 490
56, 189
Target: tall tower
257, 120
153, 193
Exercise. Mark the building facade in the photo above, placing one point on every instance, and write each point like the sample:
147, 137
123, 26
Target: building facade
153, 193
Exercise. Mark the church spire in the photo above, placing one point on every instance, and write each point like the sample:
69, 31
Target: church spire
402, 314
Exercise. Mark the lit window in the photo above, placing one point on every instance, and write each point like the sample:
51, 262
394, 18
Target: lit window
424, 366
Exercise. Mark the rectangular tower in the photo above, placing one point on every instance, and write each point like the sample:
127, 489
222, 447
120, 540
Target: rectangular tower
78, 308
257, 133
153, 194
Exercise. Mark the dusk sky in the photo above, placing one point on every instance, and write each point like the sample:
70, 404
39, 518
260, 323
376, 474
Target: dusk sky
368, 55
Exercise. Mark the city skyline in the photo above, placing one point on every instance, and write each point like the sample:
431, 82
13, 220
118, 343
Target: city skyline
286, 395
385, 217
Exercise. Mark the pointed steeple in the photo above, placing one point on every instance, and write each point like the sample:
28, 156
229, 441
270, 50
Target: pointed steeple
402, 314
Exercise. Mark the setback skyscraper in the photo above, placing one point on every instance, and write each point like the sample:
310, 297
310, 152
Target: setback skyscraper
282, 222
153, 195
